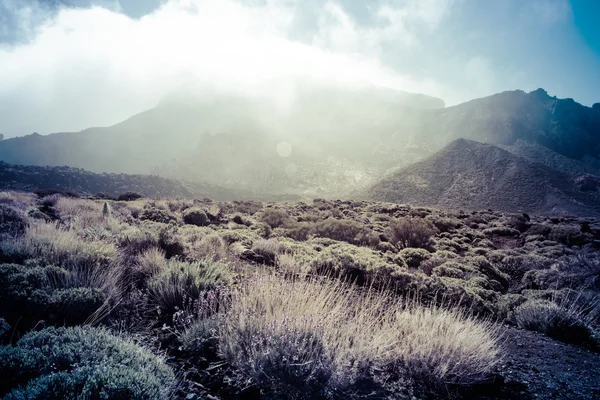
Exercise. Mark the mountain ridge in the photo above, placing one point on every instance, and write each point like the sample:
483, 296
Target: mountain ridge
472, 175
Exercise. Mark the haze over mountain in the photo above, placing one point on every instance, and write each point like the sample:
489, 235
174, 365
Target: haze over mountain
328, 142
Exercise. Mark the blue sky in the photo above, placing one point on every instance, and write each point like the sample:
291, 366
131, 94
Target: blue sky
70, 64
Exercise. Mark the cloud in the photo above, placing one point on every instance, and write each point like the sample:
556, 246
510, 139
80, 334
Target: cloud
550, 11
94, 66
82, 63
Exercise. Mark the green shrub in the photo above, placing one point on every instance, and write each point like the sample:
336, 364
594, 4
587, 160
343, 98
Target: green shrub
275, 217
89, 363
300, 232
30, 293
13, 222
569, 235
358, 264
410, 232
501, 231
195, 216
180, 282
157, 215
129, 196
414, 257
345, 230
201, 338
52, 244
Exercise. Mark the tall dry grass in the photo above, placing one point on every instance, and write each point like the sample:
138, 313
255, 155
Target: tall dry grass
297, 337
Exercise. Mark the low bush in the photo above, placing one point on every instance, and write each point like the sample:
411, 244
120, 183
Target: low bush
410, 232
13, 222
129, 196
195, 216
29, 294
569, 235
4, 330
357, 264
345, 230
155, 214
268, 249
82, 363
414, 257
501, 231
275, 217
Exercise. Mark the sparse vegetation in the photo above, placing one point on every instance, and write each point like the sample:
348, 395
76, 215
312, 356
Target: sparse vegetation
330, 300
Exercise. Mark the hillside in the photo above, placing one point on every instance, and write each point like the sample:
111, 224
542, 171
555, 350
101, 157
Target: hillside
472, 175
79, 181
232, 141
562, 125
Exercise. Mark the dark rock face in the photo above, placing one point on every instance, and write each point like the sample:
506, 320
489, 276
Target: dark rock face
588, 183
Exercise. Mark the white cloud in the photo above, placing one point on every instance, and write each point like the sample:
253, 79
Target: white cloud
94, 66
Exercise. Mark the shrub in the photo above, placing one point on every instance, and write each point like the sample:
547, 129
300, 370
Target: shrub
345, 230
149, 263
302, 338
358, 264
29, 294
195, 216
201, 338
566, 322
501, 231
4, 330
410, 232
275, 217
180, 281
134, 241
90, 363
157, 215
569, 235
13, 222
414, 257
211, 247
300, 232
129, 196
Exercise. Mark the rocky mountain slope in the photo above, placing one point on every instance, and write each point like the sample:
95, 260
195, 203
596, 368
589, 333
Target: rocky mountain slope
472, 175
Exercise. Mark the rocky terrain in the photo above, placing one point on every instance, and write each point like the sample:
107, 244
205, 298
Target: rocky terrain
472, 175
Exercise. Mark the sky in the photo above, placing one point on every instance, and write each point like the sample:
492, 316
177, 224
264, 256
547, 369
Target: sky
66, 65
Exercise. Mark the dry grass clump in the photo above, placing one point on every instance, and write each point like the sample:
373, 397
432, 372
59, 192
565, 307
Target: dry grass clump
410, 232
180, 281
48, 242
302, 338
566, 318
